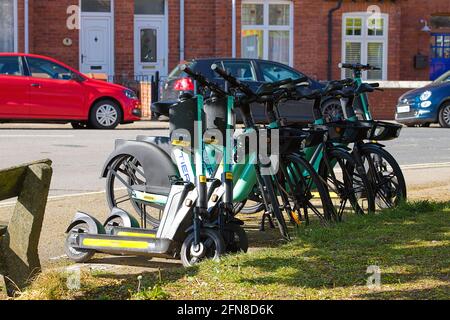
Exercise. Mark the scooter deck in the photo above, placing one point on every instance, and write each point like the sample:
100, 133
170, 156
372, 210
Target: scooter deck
133, 232
114, 244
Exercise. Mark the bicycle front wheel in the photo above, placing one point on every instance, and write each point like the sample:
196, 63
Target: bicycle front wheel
347, 183
305, 191
385, 175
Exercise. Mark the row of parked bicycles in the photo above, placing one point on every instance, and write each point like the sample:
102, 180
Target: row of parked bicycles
181, 196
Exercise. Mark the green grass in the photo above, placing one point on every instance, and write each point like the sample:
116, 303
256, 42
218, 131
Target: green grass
410, 245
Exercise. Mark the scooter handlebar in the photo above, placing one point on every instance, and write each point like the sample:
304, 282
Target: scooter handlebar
202, 80
233, 81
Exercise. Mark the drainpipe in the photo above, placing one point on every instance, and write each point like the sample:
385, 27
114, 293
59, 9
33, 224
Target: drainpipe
26, 27
330, 38
233, 29
182, 10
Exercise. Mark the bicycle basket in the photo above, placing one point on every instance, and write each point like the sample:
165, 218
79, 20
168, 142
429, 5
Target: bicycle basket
182, 120
384, 131
292, 140
316, 136
348, 131
216, 114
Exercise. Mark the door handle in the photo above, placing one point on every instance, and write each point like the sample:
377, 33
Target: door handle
35, 85
82, 58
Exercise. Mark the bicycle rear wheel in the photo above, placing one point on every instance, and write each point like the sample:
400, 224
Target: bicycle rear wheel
271, 202
128, 169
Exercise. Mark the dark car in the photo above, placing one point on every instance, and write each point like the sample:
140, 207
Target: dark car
427, 105
253, 72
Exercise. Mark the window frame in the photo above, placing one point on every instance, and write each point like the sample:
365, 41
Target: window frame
30, 74
260, 71
266, 27
152, 14
365, 39
21, 67
111, 9
254, 68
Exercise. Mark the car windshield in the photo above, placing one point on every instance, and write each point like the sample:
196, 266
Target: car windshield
444, 78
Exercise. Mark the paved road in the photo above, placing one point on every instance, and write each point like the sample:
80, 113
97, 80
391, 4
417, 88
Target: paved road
78, 155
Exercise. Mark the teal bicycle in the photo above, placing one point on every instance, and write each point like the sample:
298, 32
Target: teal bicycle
383, 170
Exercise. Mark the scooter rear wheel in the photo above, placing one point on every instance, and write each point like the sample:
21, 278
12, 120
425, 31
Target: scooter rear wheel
74, 254
212, 244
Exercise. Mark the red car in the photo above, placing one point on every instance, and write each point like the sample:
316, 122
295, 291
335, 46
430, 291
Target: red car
35, 88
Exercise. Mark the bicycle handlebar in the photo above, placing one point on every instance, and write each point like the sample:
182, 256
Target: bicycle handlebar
202, 80
358, 66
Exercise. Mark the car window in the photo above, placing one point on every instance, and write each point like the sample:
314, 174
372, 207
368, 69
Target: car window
10, 66
242, 70
177, 73
44, 69
274, 72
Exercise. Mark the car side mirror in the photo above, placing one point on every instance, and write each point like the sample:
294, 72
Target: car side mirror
76, 77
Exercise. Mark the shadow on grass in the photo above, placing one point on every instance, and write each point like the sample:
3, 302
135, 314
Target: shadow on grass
435, 293
408, 244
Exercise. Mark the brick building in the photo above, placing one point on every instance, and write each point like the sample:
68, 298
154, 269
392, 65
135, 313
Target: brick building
409, 39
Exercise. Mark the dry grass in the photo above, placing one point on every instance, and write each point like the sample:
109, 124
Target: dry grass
411, 245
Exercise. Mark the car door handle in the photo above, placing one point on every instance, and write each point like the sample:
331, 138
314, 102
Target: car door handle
35, 85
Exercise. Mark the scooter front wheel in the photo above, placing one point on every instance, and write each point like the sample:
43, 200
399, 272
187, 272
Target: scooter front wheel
75, 254
211, 246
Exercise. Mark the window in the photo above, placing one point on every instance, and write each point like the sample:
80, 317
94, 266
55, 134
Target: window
149, 7
148, 45
365, 40
440, 21
96, 6
440, 47
274, 72
8, 26
267, 30
10, 66
44, 69
241, 70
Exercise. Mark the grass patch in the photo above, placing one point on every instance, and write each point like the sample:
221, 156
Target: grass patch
410, 245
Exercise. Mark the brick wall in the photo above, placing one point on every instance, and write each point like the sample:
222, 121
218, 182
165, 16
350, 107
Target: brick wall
174, 33
208, 32
383, 103
20, 25
50, 28
413, 40
124, 37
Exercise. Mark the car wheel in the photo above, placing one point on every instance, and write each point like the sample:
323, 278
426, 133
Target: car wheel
444, 116
332, 111
155, 116
105, 114
79, 125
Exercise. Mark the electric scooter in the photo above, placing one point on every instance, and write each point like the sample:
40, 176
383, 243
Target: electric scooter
185, 230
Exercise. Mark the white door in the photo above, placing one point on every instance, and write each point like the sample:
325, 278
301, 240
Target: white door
96, 51
150, 46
